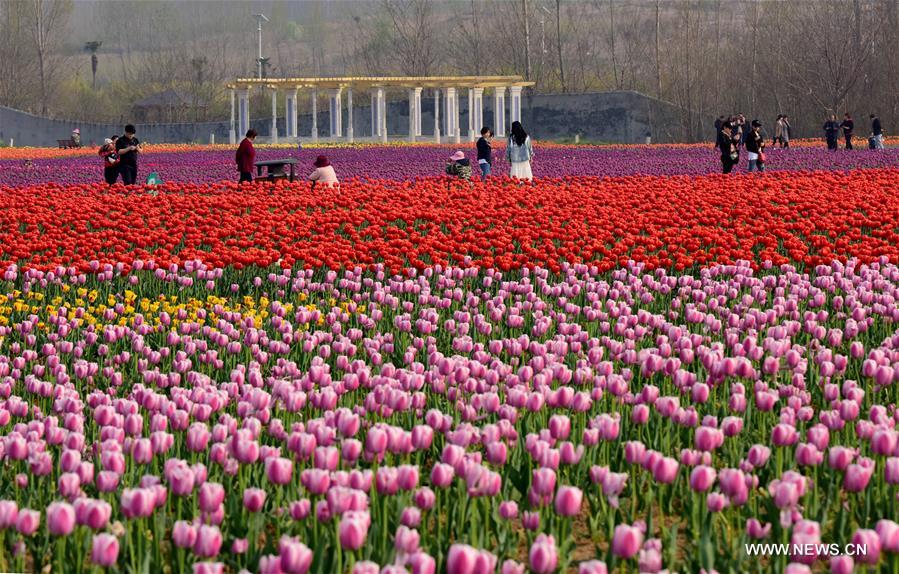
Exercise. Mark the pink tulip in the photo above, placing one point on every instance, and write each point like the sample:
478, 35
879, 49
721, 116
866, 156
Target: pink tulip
871, 541
60, 518
568, 500
209, 541
278, 470
842, 564
888, 531
9, 512
702, 478
295, 557
543, 556
353, 530
27, 521
592, 567
461, 559
184, 534
253, 499
626, 541
211, 496
665, 470
104, 550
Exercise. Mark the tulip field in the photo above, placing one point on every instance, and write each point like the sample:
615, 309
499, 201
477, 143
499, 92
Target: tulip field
630, 364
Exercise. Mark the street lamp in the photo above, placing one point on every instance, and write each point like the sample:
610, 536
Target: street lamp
260, 18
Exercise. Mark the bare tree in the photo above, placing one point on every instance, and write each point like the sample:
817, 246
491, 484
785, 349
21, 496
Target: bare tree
47, 21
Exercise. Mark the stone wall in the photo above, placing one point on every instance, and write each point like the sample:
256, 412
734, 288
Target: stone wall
612, 117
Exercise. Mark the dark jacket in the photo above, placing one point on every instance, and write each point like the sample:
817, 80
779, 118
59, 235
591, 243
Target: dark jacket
728, 142
876, 128
485, 151
831, 129
847, 126
754, 142
246, 156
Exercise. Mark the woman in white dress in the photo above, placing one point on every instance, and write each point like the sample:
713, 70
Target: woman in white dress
519, 153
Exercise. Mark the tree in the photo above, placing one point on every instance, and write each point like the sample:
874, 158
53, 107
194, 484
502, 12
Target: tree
47, 20
92, 47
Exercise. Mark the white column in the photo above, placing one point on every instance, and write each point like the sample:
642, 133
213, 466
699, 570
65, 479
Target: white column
470, 116
292, 113
449, 102
478, 113
336, 114
274, 136
314, 116
243, 97
436, 115
232, 130
383, 115
515, 103
417, 111
376, 122
499, 111
349, 115
456, 106
414, 113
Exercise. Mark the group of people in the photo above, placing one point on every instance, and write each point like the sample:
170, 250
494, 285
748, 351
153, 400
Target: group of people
832, 130
245, 158
732, 136
519, 153
119, 155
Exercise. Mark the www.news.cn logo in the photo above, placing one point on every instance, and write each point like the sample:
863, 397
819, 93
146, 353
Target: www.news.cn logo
823, 550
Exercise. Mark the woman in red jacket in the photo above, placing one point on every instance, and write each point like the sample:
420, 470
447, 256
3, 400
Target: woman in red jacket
246, 157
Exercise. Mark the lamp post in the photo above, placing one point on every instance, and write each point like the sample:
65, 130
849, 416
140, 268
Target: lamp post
260, 18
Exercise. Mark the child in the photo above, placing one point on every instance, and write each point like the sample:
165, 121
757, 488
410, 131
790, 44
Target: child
459, 166
485, 153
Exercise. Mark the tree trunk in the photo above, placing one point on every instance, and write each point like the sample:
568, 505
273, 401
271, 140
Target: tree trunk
559, 44
659, 50
612, 43
527, 40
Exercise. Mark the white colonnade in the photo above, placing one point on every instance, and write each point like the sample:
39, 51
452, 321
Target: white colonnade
447, 106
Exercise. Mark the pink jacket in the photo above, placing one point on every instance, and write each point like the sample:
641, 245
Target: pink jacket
324, 175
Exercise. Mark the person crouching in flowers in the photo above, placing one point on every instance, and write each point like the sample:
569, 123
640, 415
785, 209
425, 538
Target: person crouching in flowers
324, 173
458, 166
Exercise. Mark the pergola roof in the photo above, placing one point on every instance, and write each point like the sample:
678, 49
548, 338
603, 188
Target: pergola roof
365, 82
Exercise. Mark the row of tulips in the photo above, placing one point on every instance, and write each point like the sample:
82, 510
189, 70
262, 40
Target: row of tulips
674, 223
468, 420
214, 164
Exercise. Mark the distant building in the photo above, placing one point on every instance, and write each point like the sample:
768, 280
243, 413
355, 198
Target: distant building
169, 106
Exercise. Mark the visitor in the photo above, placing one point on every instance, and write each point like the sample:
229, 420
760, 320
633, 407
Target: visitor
831, 132
755, 147
778, 130
324, 173
876, 132
519, 152
246, 157
458, 166
128, 147
785, 134
718, 123
847, 126
728, 143
485, 153
110, 161
76, 137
